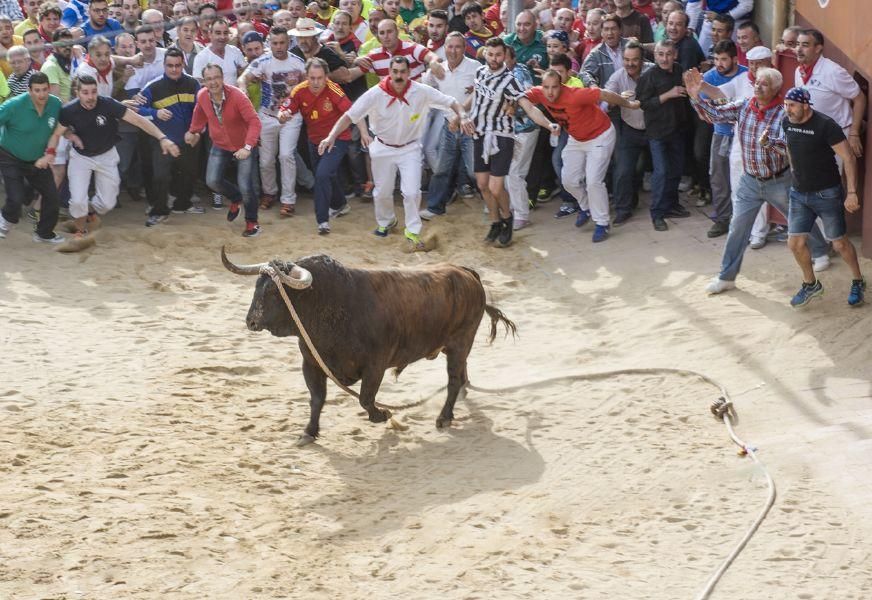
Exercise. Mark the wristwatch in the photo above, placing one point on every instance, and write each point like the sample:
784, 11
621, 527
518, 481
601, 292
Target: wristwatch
247, 147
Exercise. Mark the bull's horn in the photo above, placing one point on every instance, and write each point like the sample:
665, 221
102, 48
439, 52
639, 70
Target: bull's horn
239, 269
299, 278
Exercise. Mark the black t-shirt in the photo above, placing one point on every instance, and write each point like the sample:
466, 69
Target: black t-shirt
812, 159
97, 128
326, 54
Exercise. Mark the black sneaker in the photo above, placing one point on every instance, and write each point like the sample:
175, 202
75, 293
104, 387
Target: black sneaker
505, 236
660, 224
621, 218
495, 229
251, 230
678, 212
233, 212
718, 229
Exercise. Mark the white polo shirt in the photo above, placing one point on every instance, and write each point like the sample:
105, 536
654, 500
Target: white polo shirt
233, 59
832, 88
148, 71
458, 83
394, 122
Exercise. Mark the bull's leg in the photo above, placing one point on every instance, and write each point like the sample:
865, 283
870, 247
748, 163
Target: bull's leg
456, 380
316, 381
369, 385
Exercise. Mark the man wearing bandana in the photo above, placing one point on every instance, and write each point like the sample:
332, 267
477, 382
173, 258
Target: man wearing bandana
397, 109
765, 178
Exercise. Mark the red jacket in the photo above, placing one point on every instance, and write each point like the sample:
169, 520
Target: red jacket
239, 125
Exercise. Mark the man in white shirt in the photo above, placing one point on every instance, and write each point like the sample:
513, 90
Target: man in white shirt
219, 52
152, 61
833, 91
397, 109
278, 73
453, 145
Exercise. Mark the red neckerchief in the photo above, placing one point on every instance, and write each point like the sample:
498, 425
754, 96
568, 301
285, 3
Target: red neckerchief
805, 72
350, 38
101, 75
759, 111
751, 77
46, 37
433, 47
385, 85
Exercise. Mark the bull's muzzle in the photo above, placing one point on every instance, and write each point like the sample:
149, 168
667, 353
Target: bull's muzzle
298, 279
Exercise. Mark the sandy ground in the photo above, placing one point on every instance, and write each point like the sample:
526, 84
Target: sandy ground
147, 437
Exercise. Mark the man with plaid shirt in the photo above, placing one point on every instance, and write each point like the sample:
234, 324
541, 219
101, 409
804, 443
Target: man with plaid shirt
766, 176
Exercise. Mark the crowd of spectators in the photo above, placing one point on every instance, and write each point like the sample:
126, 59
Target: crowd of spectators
587, 101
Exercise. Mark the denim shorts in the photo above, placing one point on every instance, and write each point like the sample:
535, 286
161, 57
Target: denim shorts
806, 207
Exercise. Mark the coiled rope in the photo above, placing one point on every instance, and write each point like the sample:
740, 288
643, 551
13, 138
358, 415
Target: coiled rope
721, 408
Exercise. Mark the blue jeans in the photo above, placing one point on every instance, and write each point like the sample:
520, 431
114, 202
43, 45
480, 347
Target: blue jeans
452, 145
668, 157
328, 189
750, 196
806, 207
243, 190
631, 145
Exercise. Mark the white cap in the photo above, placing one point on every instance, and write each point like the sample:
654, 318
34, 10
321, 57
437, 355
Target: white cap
759, 53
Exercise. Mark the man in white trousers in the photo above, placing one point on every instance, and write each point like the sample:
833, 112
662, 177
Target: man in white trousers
397, 109
278, 72
93, 124
591, 142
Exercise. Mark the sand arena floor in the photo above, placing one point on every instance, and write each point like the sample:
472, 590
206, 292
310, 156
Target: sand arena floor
147, 437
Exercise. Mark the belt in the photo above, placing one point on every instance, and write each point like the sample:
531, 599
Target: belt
395, 145
771, 177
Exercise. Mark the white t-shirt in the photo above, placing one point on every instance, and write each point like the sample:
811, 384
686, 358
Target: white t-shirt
832, 88
232, 61
738, 88
147, 72
277, 79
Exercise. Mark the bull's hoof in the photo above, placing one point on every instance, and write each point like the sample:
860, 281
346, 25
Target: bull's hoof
305, 440
443, 422
380, 416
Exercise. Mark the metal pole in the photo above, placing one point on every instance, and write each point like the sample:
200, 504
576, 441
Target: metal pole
515, 7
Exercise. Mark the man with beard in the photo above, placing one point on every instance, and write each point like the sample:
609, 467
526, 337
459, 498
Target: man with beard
813, 140
494, 136
396, 108
765, 177
278, 72
726, 69
57, 67
93, 123
99, 23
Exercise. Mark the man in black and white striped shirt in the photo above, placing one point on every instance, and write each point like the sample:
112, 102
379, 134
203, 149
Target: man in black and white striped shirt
496, 89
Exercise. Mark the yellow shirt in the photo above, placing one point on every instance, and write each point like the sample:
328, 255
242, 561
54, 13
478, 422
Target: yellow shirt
25, 25
5, 66
574, 81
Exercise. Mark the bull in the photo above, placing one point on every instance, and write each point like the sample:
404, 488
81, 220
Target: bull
363, 322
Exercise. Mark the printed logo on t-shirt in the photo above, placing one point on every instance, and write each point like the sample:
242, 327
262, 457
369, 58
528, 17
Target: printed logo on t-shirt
101, 120
327, 106
51, 121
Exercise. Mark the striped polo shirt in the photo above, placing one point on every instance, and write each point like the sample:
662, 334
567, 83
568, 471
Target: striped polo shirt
415, 53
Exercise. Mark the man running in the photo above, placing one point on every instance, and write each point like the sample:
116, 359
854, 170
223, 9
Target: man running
397, 110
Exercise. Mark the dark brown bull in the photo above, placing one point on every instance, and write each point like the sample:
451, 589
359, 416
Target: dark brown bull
363, 322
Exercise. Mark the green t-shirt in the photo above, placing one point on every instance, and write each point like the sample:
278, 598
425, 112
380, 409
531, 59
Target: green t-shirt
56, 76
24, 133
410, 14
525, 52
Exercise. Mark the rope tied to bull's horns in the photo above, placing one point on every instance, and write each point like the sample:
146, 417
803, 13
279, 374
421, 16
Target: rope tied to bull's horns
272, 272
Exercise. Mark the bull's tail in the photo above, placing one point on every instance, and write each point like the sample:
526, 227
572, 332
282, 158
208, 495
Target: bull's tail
497, 316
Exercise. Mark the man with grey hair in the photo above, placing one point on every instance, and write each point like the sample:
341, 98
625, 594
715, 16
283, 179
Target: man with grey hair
766, 177
22, 68
154, 19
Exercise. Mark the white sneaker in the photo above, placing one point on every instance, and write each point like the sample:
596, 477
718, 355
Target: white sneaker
685, 184
55, 239
5, 225
427, 215
757, 244
821, 263
718, 285
323, 228
193, 210
339, 212
518, 224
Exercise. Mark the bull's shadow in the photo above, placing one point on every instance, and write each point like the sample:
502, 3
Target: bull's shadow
408, 473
